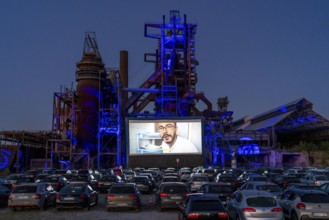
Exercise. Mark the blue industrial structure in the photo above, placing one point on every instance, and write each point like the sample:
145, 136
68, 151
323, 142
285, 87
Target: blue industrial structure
89, 127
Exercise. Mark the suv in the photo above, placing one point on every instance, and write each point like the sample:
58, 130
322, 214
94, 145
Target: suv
304, 204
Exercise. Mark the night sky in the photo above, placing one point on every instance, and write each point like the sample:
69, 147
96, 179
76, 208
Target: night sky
261, 54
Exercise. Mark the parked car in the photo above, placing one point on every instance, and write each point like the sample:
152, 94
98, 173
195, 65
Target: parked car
87, 178
315, 179
76, 195
107, 181
254, 204
304, 204
196, 181
222, 190
4, 195
228, 178
202, 206
170, 179
185, 175
123, 195
129, 175
143, 184
273, 188
170, 195
57, 181
33, 195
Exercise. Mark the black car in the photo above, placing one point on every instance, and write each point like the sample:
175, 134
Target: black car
87, 178
57, 181
76, 195
4, 195
202, 206
222, 190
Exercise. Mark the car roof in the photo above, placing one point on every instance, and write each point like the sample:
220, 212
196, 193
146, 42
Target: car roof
218, 184
307, 191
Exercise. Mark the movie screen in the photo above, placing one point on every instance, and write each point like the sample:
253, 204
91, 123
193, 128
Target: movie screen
165, 136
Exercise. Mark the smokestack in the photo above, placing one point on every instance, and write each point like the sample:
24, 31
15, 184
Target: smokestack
89, 86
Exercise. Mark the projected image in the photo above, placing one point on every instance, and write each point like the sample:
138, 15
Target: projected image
165, 136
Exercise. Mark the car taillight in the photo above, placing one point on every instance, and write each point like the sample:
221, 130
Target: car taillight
315, 182
276, 210
249, 209
301, 206
58, 196
82, 196
132, 196
222, 215
57, 184
110, 196
193, 216
163, 195
13, 185
37, 196
192, 184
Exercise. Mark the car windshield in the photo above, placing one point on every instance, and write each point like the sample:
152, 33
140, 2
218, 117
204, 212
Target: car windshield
122, 190
269, 188
261, 201
73, 189
206, 205
315, 198
174, 189
219, 189
25, 189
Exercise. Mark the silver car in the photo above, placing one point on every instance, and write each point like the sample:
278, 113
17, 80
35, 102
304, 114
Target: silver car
196, 181
254, 204
304, 204
37, 195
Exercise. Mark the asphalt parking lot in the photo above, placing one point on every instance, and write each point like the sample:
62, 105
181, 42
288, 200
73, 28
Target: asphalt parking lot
98, 212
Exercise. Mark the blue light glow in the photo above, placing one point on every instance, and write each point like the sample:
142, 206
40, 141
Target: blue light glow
248, 149
4, 158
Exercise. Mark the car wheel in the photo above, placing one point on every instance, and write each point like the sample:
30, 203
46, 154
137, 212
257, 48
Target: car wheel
14, 209
294, 216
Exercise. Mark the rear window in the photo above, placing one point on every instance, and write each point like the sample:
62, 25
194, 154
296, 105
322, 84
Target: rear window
122, 189
219, 189
73, 189
25, 189
206, 205
269, 188
51, 179
200, 179
174, 189
261, 202
108, 178
315, 198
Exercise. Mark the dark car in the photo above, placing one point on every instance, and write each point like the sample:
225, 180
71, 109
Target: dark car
57, 181
87, 178
170, 195
4, 195
107, 181
143, 184
76, 195
123, 196
222, 190
202, 206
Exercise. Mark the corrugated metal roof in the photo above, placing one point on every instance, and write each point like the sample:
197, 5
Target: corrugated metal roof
268, 122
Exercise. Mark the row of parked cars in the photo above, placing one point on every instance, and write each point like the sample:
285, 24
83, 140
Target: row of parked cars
197, 193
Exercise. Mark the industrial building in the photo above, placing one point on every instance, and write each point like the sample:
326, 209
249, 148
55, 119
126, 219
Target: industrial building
91, 123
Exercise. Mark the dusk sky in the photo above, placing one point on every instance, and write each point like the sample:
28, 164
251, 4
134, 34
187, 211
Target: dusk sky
260, 53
